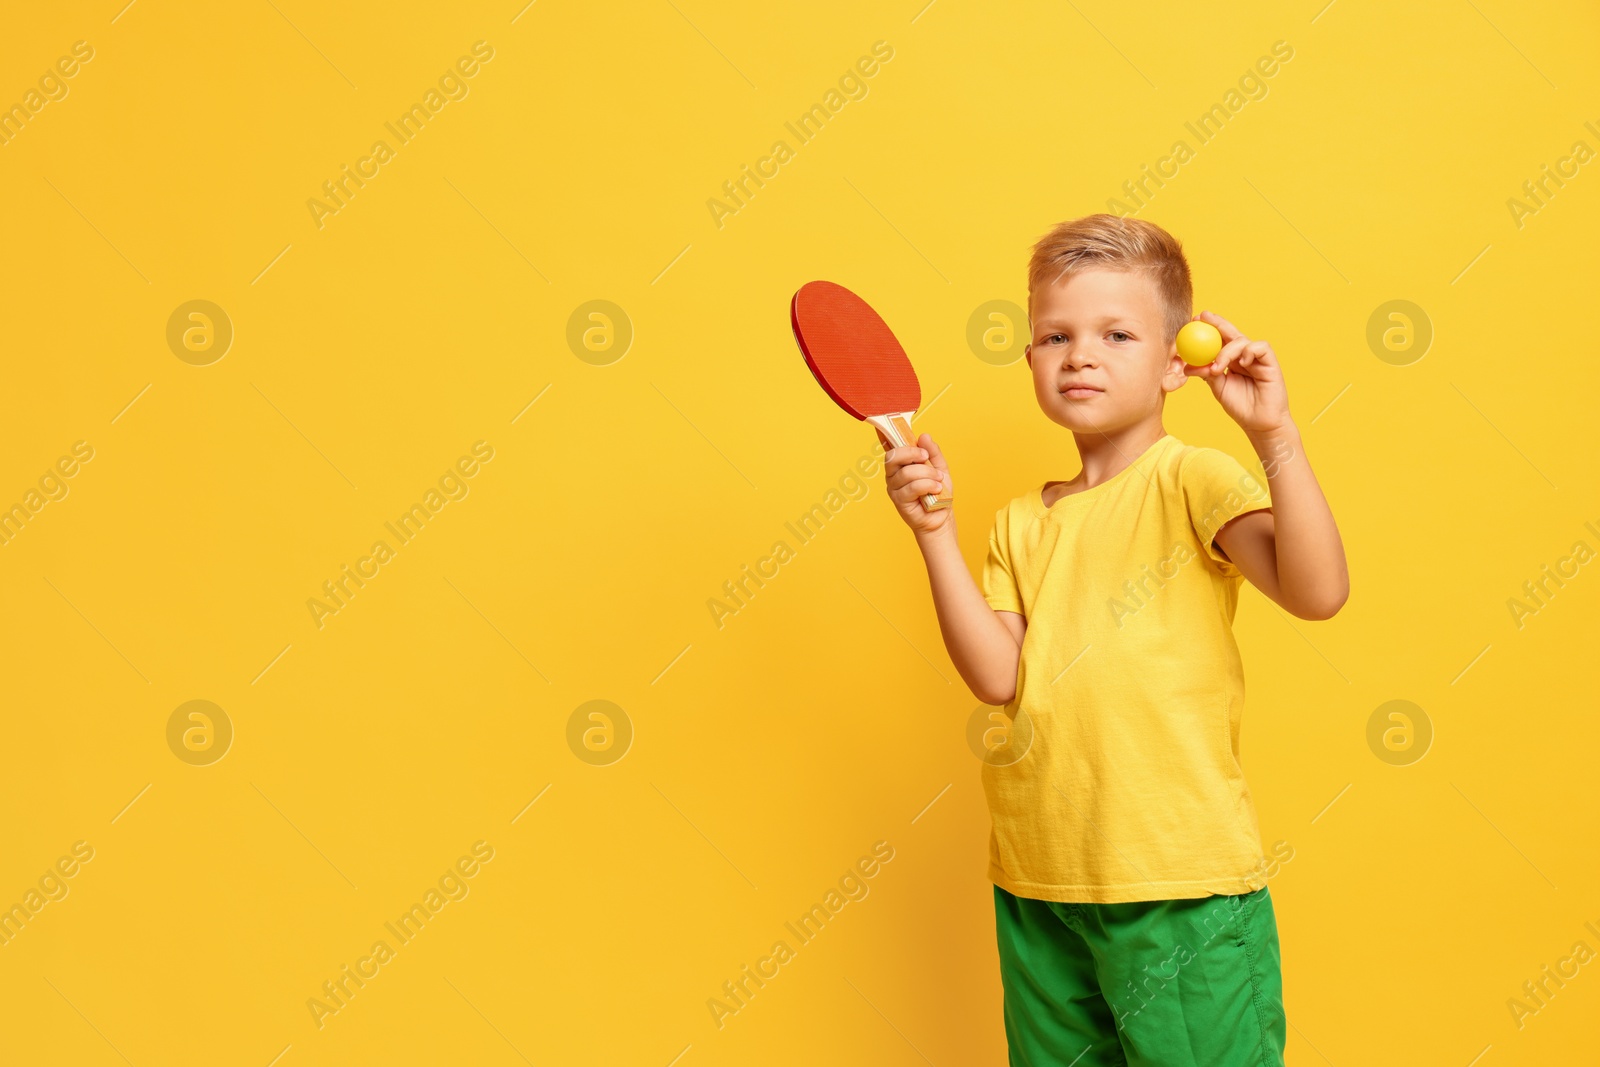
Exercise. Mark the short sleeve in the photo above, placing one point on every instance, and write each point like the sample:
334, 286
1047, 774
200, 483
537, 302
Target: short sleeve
1217, 489
999, 580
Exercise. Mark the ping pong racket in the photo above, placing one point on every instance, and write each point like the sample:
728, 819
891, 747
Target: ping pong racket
859, 363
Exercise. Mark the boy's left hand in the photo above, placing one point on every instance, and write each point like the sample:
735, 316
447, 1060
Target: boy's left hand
1245, 378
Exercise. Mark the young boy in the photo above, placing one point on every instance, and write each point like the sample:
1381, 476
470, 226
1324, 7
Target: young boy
1131, 908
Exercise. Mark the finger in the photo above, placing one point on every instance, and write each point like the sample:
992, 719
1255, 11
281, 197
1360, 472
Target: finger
1249, 354
899, 457
910, 473
1258, 353
919, 488
935, 453
1230, 352
1228, 330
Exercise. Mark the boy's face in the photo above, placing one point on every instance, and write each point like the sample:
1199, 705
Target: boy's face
1106, 330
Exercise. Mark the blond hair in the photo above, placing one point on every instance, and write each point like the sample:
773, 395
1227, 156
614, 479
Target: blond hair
1108, 242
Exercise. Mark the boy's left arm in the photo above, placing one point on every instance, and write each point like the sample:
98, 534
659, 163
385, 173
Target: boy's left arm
1292, 553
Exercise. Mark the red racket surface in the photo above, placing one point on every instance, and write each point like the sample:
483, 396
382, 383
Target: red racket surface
852, 352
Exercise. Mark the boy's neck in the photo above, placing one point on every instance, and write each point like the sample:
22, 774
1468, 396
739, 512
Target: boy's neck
1106, 454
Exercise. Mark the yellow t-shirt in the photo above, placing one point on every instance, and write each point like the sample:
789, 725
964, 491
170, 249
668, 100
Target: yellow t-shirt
1121, 778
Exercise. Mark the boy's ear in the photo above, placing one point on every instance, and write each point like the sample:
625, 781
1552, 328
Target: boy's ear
1174, 378
1027, 353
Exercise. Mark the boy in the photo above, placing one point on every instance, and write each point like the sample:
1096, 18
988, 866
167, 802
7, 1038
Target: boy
1131, 908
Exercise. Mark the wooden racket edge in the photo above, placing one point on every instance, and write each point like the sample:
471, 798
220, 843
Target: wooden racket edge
896, 429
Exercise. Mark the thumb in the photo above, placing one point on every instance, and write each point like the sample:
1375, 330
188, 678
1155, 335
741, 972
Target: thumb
935, 456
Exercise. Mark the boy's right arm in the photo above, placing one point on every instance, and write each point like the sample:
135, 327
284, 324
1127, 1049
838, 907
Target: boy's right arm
984, 644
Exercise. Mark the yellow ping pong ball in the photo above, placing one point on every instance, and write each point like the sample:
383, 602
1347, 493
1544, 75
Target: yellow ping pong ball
1198, 343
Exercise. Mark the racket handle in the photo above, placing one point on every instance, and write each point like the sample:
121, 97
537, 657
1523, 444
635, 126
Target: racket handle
896, 429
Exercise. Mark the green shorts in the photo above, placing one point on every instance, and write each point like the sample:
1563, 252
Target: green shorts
1159, 983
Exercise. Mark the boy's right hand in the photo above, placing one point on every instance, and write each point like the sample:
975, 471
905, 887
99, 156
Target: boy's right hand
915, 471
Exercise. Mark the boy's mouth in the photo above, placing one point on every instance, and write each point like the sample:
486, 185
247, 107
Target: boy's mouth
1075, 391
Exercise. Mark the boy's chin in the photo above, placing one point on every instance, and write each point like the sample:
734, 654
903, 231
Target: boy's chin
1078, 417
